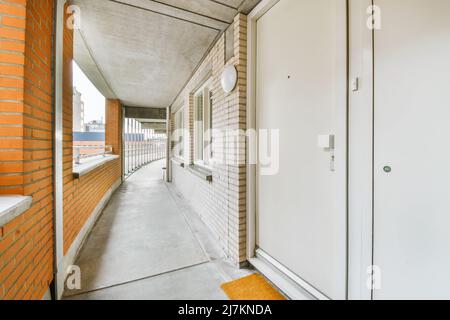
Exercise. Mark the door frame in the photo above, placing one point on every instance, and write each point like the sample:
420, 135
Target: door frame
341, 139
361, 152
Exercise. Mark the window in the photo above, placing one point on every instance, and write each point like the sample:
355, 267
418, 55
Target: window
179, 128
203, 125
88, 119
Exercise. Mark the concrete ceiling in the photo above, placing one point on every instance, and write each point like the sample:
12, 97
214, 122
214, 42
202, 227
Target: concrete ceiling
144, 51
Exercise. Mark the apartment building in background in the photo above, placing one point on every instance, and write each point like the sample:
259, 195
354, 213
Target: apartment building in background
78, 111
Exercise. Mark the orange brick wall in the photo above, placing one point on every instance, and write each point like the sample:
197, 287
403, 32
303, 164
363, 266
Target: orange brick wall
26, 243
12, 78
114, 123
81, 196
67, 105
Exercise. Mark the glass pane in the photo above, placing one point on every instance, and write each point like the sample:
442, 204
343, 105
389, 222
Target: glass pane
199, 104
198, 134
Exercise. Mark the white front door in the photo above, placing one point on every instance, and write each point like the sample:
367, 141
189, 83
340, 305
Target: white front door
412, 149
301, 91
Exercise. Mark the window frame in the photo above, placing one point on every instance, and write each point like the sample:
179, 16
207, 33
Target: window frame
179, 125
205, 92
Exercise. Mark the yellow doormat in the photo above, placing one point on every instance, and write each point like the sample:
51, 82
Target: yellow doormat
253, 287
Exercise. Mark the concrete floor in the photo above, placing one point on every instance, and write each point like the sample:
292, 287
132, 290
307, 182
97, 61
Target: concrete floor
149, 244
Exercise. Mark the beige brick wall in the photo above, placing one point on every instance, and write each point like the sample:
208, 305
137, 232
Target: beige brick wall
222, 203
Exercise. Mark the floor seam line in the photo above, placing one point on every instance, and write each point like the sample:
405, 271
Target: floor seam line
137, 280
191, 229
214, 262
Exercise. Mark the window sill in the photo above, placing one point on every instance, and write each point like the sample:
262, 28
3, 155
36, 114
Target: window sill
178, 162
13, 206
85, 168
202, 173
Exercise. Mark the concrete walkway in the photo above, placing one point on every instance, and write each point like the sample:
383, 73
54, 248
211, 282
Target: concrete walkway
149, 244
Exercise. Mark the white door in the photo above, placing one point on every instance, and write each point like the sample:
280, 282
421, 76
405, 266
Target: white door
301, 90
412, 149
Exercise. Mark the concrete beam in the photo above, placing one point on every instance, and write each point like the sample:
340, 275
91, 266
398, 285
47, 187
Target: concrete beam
182, 12
146, 113
154, 126
248, 6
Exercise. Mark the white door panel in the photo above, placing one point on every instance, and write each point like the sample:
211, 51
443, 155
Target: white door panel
300, 56
412, 134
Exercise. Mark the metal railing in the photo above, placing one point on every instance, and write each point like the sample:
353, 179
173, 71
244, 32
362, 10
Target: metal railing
141, 146
84, 152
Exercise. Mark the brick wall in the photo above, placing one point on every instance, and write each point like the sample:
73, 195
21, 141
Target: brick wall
26, 147
12, 82
81, 197
222, 203
113, 127
26, 243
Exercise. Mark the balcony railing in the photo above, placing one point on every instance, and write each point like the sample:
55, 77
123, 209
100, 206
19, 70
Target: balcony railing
141, 146
140, 153
84, 153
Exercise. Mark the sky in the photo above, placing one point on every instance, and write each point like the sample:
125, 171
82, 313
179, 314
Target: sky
94, 101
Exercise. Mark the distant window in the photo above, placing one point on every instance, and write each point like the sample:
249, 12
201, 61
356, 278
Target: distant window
202, 125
